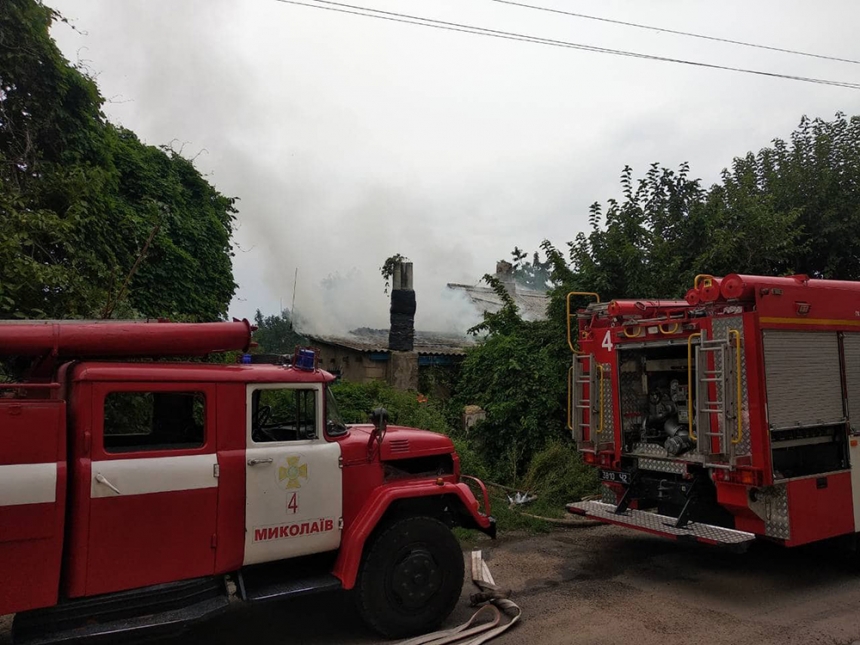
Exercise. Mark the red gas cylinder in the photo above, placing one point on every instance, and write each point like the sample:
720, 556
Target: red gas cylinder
644, 308
743, 287
693, 297
709, 288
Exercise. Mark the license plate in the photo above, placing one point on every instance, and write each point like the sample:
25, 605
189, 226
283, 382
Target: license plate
617, 476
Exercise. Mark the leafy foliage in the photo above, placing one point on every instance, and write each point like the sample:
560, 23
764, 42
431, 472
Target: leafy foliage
513, 376
275, 334
504, 320
356, 400
532, 274
387, 268
94, 221
791, 207
558, 476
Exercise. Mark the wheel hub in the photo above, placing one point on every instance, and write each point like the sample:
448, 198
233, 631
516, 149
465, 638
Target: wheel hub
416, 577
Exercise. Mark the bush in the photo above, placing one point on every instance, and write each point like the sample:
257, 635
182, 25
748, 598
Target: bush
470, 462
355, 401
557, 475
519, 378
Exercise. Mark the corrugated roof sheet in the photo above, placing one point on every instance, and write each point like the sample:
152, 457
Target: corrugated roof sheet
532, 304
376, 340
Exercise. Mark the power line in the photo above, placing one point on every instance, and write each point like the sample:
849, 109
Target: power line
678, 33
506, 35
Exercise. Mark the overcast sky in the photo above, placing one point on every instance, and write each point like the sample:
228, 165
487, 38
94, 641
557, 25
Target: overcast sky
349, 139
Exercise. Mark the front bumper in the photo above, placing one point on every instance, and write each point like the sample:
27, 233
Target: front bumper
483, 521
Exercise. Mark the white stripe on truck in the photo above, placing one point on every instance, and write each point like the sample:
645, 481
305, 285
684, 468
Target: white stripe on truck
28, 484
152, 475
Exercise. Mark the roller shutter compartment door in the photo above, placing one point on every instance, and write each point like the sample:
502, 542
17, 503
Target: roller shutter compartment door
851, 347
804, 386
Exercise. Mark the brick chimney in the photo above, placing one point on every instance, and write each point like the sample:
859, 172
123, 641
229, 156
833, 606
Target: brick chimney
505, 273
401, 335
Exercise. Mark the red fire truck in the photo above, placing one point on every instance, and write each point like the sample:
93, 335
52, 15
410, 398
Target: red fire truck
142, 494
727, 416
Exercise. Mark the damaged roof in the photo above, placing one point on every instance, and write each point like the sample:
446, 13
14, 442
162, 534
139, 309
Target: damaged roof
532, 304
376, 340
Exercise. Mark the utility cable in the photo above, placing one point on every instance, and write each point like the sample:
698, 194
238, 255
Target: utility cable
493, 33
677, 32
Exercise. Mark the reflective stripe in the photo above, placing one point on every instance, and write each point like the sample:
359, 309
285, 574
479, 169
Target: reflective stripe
153, 475
28, 484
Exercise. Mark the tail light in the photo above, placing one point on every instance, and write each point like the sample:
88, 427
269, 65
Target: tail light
745, 476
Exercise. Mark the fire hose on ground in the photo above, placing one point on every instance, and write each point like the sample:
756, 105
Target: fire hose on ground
486, 623
519, 498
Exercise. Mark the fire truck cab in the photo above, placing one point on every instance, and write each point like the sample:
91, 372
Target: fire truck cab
142, 494
725, 417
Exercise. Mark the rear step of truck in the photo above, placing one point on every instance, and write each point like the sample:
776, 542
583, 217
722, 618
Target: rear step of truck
663, 525
158, 610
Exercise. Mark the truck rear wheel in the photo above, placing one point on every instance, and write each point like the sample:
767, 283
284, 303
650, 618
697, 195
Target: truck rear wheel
411, 577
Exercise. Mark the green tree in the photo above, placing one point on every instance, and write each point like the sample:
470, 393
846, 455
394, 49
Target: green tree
95, 223
514, 376
792, 207
275, 334
531, 274
811, 182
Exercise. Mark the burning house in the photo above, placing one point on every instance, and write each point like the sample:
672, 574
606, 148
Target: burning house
396, 354
530, 303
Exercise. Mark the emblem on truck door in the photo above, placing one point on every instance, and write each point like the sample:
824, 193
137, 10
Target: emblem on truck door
291, 471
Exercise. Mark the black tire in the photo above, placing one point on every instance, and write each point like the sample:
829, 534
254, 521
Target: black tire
410, 578
403, 302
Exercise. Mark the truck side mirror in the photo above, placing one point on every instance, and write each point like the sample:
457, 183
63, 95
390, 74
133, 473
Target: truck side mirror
379, 418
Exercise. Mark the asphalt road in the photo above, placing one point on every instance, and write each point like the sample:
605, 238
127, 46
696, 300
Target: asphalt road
604, 586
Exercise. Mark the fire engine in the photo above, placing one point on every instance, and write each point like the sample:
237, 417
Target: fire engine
728, 416
140, 494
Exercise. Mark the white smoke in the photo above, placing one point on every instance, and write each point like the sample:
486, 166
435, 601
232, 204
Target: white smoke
350, 139
338, 252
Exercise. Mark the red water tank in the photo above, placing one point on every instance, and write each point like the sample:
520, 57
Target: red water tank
104, 339
743, 287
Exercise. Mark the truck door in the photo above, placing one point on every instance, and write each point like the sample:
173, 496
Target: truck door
154, 487
293, 480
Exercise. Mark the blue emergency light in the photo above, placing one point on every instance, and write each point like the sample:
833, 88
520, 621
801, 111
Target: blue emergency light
306, 359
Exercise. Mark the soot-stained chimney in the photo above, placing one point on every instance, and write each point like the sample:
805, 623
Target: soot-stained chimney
401, 336
505, 273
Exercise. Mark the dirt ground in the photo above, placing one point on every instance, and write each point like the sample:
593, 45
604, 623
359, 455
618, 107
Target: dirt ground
605, 586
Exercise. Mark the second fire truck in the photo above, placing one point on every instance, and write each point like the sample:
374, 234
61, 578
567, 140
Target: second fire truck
725, 417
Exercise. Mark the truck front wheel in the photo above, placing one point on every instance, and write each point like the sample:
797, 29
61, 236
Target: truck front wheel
411, 577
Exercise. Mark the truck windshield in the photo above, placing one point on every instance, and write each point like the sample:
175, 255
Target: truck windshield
335, 426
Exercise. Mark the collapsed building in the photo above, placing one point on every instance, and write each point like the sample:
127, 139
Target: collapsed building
397, 355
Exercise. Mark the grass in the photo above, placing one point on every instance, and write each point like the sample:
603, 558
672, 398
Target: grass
556, 475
